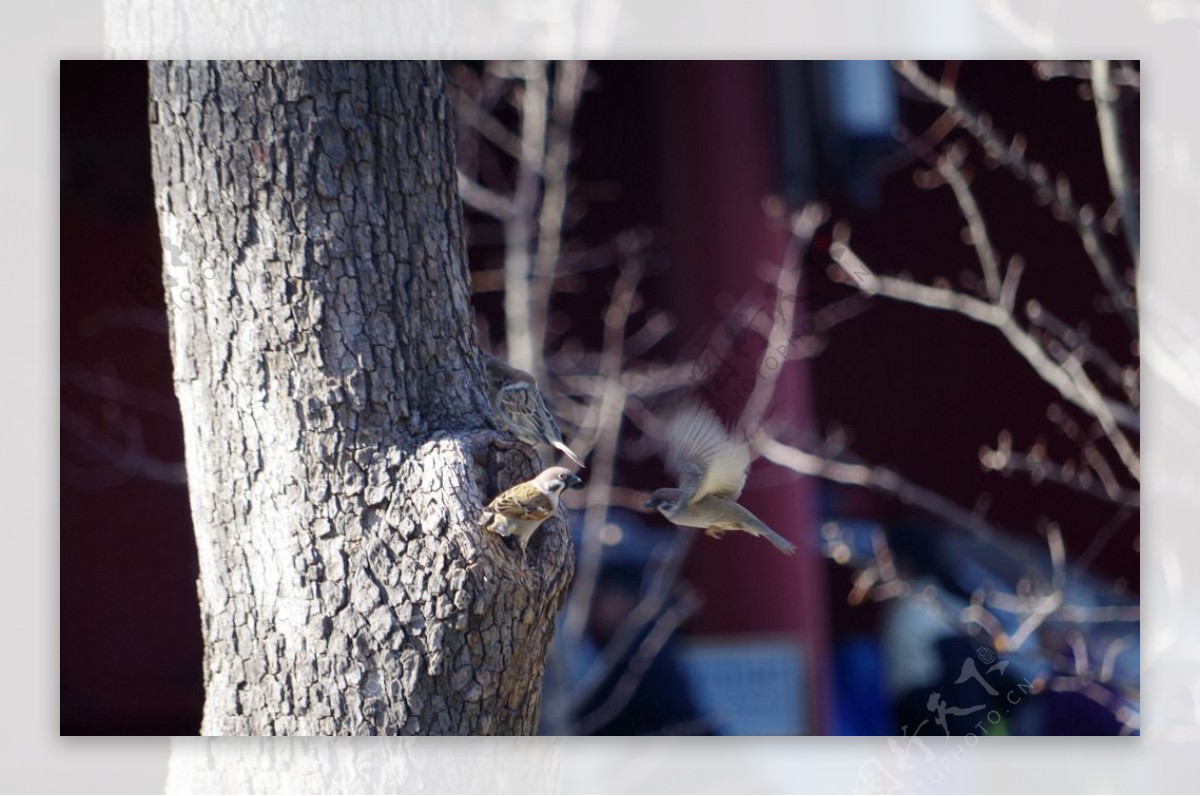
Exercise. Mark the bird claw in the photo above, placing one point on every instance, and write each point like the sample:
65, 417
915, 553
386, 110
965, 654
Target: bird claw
715, 533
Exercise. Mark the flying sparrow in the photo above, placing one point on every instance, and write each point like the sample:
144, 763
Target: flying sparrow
521, 510
710, 466
520, 409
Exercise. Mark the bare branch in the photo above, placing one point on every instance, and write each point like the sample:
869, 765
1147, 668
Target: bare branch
519, 227
1101, 695
656, 328
568, 88
1069, 378
1105, 94
124, 318
119, 452
109, 387
489, 127
1057, 193
662, 584
949, 166
605, 430
1079, 651
1122, 74
485, 200
787, 288
1003, 459
1080, 344
596, 391
1110, 657
1012, 278
1058, 556
1102, 538
1098, 407
664, 627
877, 478
977, 613
1074, 614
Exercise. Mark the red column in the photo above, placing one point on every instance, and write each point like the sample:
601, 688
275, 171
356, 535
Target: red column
718, 136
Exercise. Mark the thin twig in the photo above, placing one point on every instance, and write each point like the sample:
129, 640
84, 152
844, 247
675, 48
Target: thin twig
664, 627
1073, 614
1058, 192
518, 227
1102, 538
877, 478
609, 411
1071, 381
980, 615
119, 451
1043, 469
949, 166
662, 584
556, 158
1122, 74
1110, 657
484, 199
1081, 345
488, 126
1105, 95
110, 387
787, 288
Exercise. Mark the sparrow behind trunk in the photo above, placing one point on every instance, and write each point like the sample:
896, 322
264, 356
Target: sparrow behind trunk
521, 410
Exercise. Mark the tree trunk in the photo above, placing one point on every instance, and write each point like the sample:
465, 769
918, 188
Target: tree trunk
337, 433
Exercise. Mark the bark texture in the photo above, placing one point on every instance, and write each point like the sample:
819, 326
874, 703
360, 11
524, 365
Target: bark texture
337, 433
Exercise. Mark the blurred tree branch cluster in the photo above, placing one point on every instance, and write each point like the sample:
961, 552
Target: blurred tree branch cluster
1067, 629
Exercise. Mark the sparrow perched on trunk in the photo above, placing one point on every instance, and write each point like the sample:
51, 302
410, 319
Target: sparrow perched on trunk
710, 466
521, 510
520, 409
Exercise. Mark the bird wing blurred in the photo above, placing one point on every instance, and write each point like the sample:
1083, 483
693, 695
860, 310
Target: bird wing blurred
523, 502
703, 456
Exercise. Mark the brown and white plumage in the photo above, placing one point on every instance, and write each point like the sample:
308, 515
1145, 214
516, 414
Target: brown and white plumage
710, 466
521, 510
520, 408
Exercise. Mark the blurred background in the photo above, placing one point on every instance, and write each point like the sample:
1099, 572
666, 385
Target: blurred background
796, 243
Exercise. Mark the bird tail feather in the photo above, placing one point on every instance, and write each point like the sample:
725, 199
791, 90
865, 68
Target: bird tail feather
570, 454
782, 544
759, 528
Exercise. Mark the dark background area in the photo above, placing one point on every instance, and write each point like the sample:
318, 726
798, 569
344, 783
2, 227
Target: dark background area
919, 391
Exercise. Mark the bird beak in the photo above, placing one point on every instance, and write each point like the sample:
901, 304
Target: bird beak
575, 482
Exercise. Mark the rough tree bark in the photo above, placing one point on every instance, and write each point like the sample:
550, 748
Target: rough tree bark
337, 436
